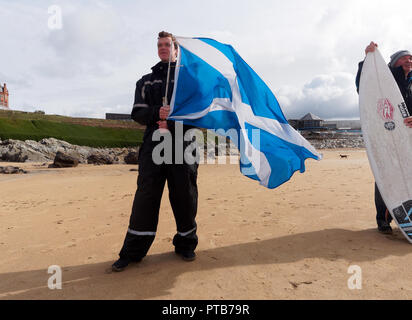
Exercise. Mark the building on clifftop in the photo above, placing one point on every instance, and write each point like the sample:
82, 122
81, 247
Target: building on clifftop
307, 122
4, 97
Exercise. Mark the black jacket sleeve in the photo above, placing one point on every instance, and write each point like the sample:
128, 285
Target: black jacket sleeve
358, 75
142, 112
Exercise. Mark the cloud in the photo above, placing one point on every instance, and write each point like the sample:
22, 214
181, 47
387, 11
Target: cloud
17, 81
327, 95
92, 41
307, 52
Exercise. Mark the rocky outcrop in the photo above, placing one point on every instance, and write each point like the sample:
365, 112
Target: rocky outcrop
65, 160
20, 151
46, 149
334, 140
132, 158
102, 158
341, 143
11, 170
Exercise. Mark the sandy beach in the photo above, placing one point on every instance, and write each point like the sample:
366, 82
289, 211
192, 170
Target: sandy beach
293, 242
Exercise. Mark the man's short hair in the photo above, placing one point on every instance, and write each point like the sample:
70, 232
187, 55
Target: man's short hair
164, 34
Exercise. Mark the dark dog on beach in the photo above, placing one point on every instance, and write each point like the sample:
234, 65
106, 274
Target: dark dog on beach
344, 156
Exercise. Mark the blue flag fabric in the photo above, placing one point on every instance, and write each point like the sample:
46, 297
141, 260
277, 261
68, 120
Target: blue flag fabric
216, 89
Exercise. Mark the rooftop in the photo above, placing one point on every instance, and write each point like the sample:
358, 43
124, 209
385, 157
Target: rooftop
310, 116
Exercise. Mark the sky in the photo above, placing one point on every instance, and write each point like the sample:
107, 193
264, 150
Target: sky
83, 58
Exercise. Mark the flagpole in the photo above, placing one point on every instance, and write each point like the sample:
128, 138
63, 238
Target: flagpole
165, 102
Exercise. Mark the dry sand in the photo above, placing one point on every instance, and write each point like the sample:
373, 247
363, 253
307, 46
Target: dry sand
293, 242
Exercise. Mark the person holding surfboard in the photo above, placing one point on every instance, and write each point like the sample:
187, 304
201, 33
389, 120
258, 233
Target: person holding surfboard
401, 67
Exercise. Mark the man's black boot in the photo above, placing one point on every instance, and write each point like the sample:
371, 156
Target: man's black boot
384, 227
120, 264
187, 255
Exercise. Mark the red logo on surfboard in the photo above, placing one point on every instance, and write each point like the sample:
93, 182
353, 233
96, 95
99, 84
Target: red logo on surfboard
385, 109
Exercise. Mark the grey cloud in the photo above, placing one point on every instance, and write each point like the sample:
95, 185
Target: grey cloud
16, 81
92, 41
93, 62
327, 96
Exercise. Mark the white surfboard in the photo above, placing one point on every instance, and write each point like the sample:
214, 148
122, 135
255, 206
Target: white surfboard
388, 140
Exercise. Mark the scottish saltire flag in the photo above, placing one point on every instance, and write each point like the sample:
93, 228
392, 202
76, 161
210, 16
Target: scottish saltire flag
215, 89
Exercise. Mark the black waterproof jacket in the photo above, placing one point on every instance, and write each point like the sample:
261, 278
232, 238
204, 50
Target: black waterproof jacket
404, 84
150, 90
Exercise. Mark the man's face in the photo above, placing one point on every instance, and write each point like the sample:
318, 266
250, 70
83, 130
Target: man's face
164, 45
405, 62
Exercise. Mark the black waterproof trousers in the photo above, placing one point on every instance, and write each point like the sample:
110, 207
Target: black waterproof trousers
381, 211
183, 195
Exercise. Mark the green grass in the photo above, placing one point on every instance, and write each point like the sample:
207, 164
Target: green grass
23, 115
86, 135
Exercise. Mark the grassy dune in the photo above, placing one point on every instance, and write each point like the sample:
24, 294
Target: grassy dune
79, 131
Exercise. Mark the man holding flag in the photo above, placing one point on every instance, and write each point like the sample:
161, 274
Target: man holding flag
151, 108
213, 88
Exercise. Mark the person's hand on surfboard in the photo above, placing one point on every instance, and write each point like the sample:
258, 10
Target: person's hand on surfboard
371, 47
408, 122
